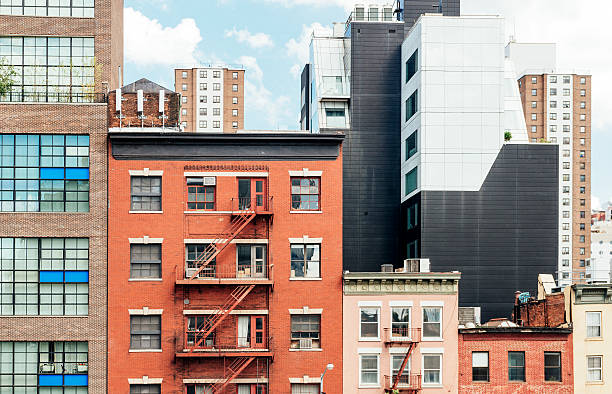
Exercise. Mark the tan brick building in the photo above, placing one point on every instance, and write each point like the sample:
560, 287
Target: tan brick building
212, 98
53, 200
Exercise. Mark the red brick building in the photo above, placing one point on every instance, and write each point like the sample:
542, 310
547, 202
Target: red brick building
225, 262
515, 360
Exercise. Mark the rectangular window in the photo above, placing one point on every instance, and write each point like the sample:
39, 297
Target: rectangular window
582, 92
534, 92
369, 322
432, 369
582, 129
396, 364
184, 74
77, 9
582, 176
566, 104
145, 260
581, 239
432, 322
480, 366
534, 129
184, 112
203, 111
297, 388
566, 226
516, 366
411, 181
400, 322
184, 86
44, 276
305, 331
305, 260
582, 80
335, 117
234, 100
234, 88
553, 79
368, 370
216, 99
201, 193
234, 125
552, 366
147, 389
146, 193
582, 202
534, 116
565, 262
553, 104
565, 238
593, 323
534, 104
553, 116
412, 105
203, 99
203, 86
44, 173
534, 80
195, 256
203, 73
566, 92
216, 124
412, 213
203, 124
145, 332
234, 75
553, 140
305, 194
566, 128
412, 65
50, 69
582, 105
216, 111
216, 86
566, 79
566, 165
566, 140
566, 116
216, 74
411, 145
252, 261
184, 99
234, 112
27, 365
594, 369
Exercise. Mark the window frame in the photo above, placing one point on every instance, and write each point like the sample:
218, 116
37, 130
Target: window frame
411, 145
423, 323
521, 367
316, 322
599, 326
423, 369
377, 371
318, 194
150, 262
487, 379
305, 246
412, 105
144, 333
141, 194
148, 387
406, 330
411, 65
589, 369
206, 190
557, 367
361, 322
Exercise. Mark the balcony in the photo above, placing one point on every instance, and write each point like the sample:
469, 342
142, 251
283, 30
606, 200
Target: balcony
214, 346
53, 98
231, 275
408, 383
260, 205
402, 336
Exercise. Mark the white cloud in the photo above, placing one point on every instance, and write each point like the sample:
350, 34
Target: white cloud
148, 42
595, 203
299, 48
257, 40
259, 99
346, 4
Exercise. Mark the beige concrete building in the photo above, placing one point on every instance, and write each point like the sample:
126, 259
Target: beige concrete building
212, 98
589, 309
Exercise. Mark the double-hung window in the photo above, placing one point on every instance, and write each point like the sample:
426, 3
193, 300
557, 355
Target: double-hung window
145, 261
368, 370
396, 364
145, 332
400, 322
516, 366
198, 254
146, 193
201, 193
432, 369
369, 319
480, 366
305, 194
593, 323
552, 366
145, 388
305, 260
432, 322
305, 331
594, 369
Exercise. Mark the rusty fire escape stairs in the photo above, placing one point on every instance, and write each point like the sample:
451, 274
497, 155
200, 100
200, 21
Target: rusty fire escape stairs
222, 241
398, 377
233, 370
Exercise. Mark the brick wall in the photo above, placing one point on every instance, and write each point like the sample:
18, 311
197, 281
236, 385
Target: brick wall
129, 106
66, 119
228, 94
549, 312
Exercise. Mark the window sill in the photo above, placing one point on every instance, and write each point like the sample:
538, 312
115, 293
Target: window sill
595, 383
145, 350
431, 339
369, 339
306, 350
305, 211
145, 280
146, 212
431, 386
594, 339
370, 386
294, 278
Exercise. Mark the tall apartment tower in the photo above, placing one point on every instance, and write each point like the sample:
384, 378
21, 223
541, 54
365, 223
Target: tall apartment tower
212, 98
353, 81
557, 108
53, 273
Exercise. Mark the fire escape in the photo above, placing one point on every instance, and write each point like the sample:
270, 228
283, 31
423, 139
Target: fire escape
400, 382
200, 340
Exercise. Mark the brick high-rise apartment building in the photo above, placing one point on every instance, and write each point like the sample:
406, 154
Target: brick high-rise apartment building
53, 193
557, 108
212, 98
225, 271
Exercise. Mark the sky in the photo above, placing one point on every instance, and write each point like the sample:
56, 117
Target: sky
270, 39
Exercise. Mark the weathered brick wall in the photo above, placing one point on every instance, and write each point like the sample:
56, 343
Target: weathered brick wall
66, 119
129, 106
544, 313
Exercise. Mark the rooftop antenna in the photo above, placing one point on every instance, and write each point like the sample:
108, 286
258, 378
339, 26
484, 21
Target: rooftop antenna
398, 12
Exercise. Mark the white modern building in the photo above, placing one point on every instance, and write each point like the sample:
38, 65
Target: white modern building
599, 268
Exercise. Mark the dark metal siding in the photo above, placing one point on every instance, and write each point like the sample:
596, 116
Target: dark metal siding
371, 150
305, 85
415, 8
501, 237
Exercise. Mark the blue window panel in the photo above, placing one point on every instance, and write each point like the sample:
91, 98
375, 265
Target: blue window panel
77, 276
50, 380
51, 173
51, 276
77, 173
75, 380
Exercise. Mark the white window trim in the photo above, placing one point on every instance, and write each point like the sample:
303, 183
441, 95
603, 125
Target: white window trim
432, 339
145, 380
306, 212
401, 304
586, 378
399, 350
146, 172
306, 240
305, 380
408, 364
236, 381
370, 385
370, 304
226, 173
432, 350
234, 312
146, 240
145, 311
145, 351
298, 278
305, 172
586, 325
306, 311
432, 303
369, 350
440, 384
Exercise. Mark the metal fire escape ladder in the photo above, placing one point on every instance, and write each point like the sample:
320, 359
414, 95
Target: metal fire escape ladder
404, 362
237, 295
233, 370
237, 224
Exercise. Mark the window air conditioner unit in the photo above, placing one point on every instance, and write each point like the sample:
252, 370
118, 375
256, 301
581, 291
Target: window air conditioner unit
306, 343
190, 271
47, 368
82, 368
210, 181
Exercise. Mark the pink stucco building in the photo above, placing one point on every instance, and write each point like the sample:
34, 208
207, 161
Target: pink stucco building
392, 319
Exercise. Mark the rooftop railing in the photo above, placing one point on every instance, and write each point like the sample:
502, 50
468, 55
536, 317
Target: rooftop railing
49, 97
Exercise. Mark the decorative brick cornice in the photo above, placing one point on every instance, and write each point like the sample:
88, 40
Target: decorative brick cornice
400, 283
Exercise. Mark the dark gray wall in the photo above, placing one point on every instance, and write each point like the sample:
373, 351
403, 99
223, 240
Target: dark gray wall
371, 150
415, 8
305, 110
501, 237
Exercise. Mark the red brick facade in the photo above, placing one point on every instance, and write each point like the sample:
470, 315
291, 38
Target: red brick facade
534, 342
176, 296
